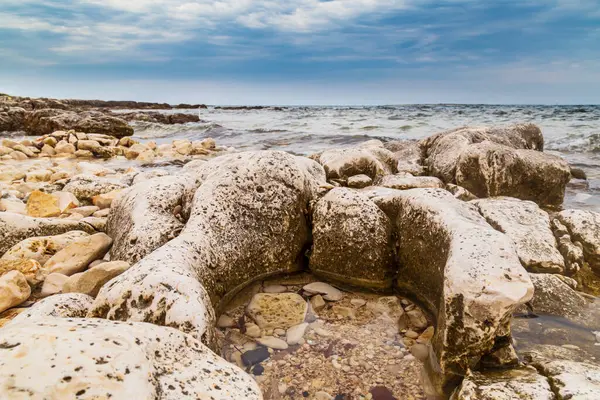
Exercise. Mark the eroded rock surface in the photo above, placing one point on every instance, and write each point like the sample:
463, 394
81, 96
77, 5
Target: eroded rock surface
41, 248
369, 158
584, 227
553, 296
71, 305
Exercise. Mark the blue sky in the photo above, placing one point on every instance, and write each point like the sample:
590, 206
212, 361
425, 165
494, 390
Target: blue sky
303, 51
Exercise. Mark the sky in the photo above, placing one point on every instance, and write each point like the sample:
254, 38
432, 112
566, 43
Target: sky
316, 52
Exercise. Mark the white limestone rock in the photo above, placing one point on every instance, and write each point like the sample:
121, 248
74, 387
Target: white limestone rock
404, 181
72, 305
369, 158
572, 380
584, 227
553, 296
529, 228
55, 359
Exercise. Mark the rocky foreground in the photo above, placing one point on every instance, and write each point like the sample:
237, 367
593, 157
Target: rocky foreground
118, 259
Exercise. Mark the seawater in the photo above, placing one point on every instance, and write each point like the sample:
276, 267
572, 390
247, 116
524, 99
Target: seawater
572, 132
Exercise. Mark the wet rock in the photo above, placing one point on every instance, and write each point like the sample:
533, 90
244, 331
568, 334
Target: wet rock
272, 342
90, 281
359, 181
351, 240
15, 228
523, 383
572, 380
253, 357
277, 310
127, 360
79, 254
14, 290
553, 296
142, 220
230, 238
584, 227
327, 291
42, 205
578, 173
31, 269
528, 227
53, 284
369, 158
407, 181
446, 250
296, 333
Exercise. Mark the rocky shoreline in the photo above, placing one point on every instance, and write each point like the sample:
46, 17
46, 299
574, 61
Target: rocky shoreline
126, 266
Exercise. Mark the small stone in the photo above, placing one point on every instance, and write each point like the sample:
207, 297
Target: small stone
279, 332
84, 154
296, 333
323, 396
344, 312
53, 284
14, 290
66, 201
274, 289
255, 356
31, 269
358, 302
64, 147
277, 310
272, 342
427, 335
79, 254
84, 211
417, 319
257, 370
411, 334
101, 213
40, 175
420, 351
381, 393
328, 292
252, 330
91, 281
317, 302
105, 200
359, 181
225, 321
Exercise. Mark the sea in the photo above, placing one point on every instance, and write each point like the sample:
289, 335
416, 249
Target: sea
573, 132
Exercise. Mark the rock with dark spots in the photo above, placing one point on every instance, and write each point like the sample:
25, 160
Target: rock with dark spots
252, 357
41, 248
15, 228
523, 383
94, 358
277, 310
571, 379
31, 269
529, 228
72, 305
369, 158
584, 227
466, 273
85, 187
141, 218
359, 181
404, 181
553, 296
489, 169
408, 155
441, 152
231, 237
352, 240
46, 121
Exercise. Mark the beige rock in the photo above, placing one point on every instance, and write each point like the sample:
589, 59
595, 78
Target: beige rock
252, 330
14, 290
5, 150
96, 263
134, 151
13, 205
99, 224
344, 312
295, 333
63, 147
9, 143
126, 141
85, 211
31, 269
209, 143
277, 310
50, 141
66, 201
584, 227
9, 173
183, 147
328, 292
48, 150
407, 181
42, 205
57, 176
199, 149
38, 175
41, 248
90, 281
359, 181
84, 154
89, 145
225, 321
79, 254
369, 158
273, 342
317, 302
17, 155
74, 216
25, 150
101, 213
146, 156
105, 200
53, 284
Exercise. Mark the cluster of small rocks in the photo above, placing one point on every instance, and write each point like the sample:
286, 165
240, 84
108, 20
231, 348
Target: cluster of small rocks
93, 145
303, 338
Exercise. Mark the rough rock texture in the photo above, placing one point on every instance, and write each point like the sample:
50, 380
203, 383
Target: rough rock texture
441, 152
466, 273
46, 121
528, 227
584, 227
408, 155
130, 361
72, 305
488, 169
90, 281
407, 181
41, 248
161, 118
523, 384
85, 187
79, 254
142, 218
42, 205
248, 219
359, 181
369, 158
14, 290
31, 269
352, 240
277, 310
572, 380
553, 296
15, 228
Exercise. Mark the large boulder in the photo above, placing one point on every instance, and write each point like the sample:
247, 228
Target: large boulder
143, 217
369, 158
489, 169
247, 220
46, 121
529, 228
465, 272
584, 227
352, 240
15, 228
93, 358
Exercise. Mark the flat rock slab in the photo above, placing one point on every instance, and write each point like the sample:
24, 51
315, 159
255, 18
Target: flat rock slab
573, 380
277, 310
327, 291
94, 358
